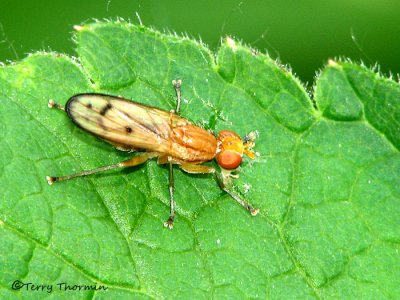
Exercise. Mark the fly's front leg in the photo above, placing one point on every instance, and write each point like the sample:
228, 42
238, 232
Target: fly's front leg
52, 104
192, 168
170, 222
223, 183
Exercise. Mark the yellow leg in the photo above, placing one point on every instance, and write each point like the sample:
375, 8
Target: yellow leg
134, 161
224, 184
196, 169
137, 160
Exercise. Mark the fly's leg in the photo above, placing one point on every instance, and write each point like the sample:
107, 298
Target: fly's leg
196, 168
224, 186
52, 104
170, 222
171, 186
177, 86
189, 168
134, 161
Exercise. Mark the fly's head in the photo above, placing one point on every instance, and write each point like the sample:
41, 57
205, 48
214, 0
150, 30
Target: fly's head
231, 148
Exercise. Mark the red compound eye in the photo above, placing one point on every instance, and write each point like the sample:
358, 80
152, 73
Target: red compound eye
229, 159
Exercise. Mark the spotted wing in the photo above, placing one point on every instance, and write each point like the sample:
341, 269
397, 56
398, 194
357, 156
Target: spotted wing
124, 123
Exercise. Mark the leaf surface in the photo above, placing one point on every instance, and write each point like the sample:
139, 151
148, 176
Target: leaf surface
326, 179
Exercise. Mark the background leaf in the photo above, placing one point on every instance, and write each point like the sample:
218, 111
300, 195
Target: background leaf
326, 178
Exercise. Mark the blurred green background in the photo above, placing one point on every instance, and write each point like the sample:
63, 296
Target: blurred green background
303, 34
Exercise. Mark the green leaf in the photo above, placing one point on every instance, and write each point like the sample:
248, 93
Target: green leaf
326, 179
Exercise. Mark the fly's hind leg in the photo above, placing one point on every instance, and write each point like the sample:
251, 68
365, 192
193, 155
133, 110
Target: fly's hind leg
134, 161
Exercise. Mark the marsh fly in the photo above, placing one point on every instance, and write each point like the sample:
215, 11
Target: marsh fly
155, 133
